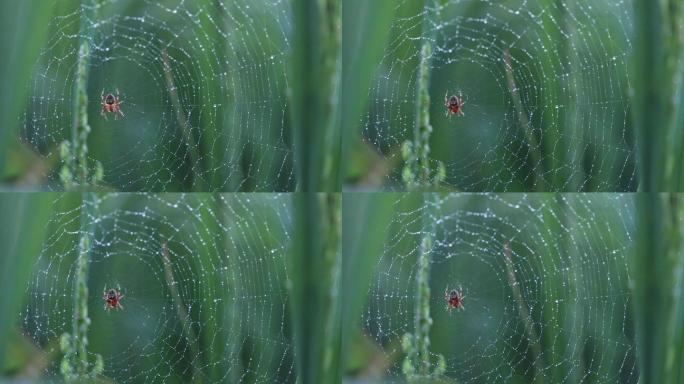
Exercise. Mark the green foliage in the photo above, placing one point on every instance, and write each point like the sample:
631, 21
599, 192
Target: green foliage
364, 229
23, 30
20, 242
365, 29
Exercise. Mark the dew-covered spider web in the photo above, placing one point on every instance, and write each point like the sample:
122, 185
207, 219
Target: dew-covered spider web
202, 85
545, 280
545, 85
203, 278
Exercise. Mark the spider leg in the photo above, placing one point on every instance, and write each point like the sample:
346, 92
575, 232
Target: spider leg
120, 307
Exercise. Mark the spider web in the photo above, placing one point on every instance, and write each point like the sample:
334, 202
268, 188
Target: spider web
210, 305
546, 88
545, 281
203, 90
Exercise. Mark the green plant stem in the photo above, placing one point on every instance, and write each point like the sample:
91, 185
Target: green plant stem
313, 266
657, 64
675, 306
675, 71
75, 365
418, 172
81, 128
524, 314
333, 72
81, 319
423, 129
652, 278
418, 366
182, 123
333, 262
314, 93
423, 321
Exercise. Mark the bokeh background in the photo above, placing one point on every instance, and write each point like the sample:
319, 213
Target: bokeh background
212, 289
546, 86
202, 84
558, 287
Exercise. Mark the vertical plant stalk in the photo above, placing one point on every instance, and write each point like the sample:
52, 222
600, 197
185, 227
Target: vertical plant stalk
675, 264
182, 122
423, 321
81, 319
185, 320
75, 169
75, 365
418, 171
81, 126
310, 284
417, 365
423, 129
531, 140
333, 261
675, 69
314, 93
333, 72
657, 65
658, 252
524, 314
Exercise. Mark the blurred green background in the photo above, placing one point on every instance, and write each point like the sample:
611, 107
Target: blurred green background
581, 290
210, 292
546, 85
203, 88
590, 281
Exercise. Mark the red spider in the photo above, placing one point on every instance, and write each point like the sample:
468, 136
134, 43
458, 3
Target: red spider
454, 104
111, 104
454, 298
112, 298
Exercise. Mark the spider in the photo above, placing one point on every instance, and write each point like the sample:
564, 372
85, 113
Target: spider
454, 104
454, 298
112, 298
111, 104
